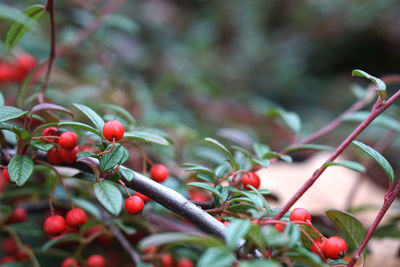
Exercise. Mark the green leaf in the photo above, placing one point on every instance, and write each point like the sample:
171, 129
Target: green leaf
148, 136
17, 30
122, 112
97, 121
378, 157
121, 22
21, 134
308, 147
382, 120
259, 263
109, 196
118, 155
349, 224
235, 232
192, 239
380, 85
260, 150
64, 238
307, 258
355, 166
79, 125
127, 229
10, 13
1, 99
206, 187
9, 113
198, 168
291, 119
216, 257
41, 145
127, 173
49, 106
223, 149
20, 168
87, 154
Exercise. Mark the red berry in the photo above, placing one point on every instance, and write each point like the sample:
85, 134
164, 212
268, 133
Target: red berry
7, 259
69, 156
335, 247
167, 260
68, 140
319, 243
150, 249
9, 246
96, 260
184, 262
159, 173
54, 225
195, 195
6, 73
75, 217
21, 255
250, 178
69, 262
54, 156
24, 64
279, 227
113, 129
300, 214
49, 134
6, 176
143, 197
134, 205
18, 215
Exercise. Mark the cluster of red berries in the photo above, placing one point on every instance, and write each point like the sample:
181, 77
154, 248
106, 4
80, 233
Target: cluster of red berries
333, 247
95, 260
167, 260
56, 224
12, 252
135, 204
66, 145
251, 178
16, 71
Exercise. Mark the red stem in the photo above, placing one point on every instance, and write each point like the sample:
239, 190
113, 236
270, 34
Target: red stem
389, 198
49, 8
376, 110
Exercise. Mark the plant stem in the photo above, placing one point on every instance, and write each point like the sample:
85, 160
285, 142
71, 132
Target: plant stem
50, 9
377, 109
389, 198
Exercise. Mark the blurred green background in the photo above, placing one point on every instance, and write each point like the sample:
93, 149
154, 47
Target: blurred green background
207, 65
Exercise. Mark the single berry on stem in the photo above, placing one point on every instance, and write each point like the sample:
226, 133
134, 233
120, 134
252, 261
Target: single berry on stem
54, 225
113, 129
49, 133
299, 214
319, 243
75, 217
54, 156
6, 176
184, 262
167, 260
69, 156
251, 178
96, 260
18, 215
159, 173
68, 140
335, 247
69, 262
279, 227
134, 205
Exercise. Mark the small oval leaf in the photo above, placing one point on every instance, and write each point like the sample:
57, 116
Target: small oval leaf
381, 86
109, 196
235, 232
355, 166
97, 121
378, 157
20, 168
9, 113
118, 155
49, 106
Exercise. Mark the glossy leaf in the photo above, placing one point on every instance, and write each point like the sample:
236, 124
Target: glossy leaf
382, 120
235, 232
349, 224
109, 196
206, 187
9, 113
147, 136
355, 166
380, 85
378, 157
308, 147
42, 146
127, 173
97, 121
13, 14
216, 257
21, 134
20, 169
122, 112
223, 149
117, 156
17, 30
305, 257
291, 119
61, 239
259, 263
169, 238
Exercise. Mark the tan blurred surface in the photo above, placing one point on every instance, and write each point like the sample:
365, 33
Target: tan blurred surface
331, 191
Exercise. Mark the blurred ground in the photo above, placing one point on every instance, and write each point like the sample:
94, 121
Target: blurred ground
331, 191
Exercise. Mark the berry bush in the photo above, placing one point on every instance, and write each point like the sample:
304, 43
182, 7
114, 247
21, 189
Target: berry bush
89, 184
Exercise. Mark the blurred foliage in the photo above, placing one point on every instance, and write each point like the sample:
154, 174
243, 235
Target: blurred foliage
215, 64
